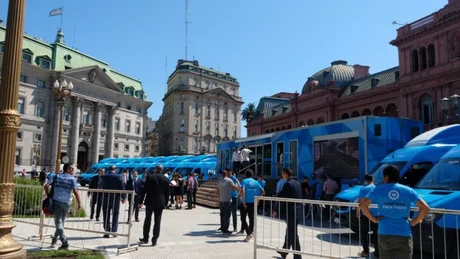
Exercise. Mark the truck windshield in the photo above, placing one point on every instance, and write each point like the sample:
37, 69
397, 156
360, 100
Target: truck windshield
90, 170
377, 172
443, 176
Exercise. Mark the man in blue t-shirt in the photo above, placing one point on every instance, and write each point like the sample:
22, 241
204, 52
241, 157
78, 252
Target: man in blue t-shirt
365, 224
250, 188
234, 198
394, 202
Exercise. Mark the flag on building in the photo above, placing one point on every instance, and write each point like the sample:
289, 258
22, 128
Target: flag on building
56, 12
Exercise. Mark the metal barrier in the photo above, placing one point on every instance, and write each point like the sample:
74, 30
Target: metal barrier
28, 202
323, 236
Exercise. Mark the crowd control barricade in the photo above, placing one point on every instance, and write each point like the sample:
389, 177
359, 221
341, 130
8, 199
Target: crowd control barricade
28, 202
322, 233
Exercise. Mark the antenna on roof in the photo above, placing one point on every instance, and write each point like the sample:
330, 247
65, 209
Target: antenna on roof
73, 40
186, 27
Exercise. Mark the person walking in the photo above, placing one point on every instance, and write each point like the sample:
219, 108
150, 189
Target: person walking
292, 190
236, 160
245, 160
224, 192
111, 201
234, 199
365, 224
250, 188
394, 223
155, 196
60, 193
195, 189
133, 184
96, 197
330, 188
190, 186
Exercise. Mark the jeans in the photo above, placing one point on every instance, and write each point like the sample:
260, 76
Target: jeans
225, 211
60, 213
234, 209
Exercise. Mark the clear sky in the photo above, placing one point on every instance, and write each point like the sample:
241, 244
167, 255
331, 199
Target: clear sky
269, 45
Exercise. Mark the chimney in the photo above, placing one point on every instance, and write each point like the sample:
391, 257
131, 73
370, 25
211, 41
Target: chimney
374, 82
397, 75
360, 71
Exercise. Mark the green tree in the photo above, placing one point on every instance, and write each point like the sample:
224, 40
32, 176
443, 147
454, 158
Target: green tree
249, 113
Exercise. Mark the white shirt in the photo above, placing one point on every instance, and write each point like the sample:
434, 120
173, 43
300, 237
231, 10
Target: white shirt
166, 175
245, 154
236, 156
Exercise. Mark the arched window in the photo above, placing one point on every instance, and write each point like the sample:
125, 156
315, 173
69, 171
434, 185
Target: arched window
391, 110
414, 60
355, 114
310, 122
422, 53
426, 109
267, 131
378, 111
301, 123
345, 116
272, 130
366, 112
431, 56
320, 120
289, 127
277, 129
283, 128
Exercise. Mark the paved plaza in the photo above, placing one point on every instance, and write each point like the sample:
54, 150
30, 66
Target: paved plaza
192, 234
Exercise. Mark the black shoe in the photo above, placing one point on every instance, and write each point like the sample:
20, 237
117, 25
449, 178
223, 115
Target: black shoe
241, 232
226, 232
219, 229
91, 218
283, 255
154, 243
137, 220
64, 247
106, 236
97, 219
53, 241
143, 240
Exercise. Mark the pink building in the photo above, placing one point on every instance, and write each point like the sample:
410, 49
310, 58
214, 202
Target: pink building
428, 71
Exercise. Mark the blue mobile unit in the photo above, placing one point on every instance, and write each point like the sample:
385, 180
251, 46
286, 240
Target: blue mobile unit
346, 149
414, 160
440, 188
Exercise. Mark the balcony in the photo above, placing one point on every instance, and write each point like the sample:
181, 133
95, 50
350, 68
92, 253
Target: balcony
217, 119
225, 119
196, 132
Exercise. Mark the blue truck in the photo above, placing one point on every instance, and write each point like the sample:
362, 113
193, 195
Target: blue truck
414, 161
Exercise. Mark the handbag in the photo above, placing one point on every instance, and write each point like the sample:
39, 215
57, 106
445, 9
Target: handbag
47, 204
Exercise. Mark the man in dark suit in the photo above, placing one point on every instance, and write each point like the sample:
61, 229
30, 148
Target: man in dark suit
134, 184
156, 194
291, 189
111, 201
96, 197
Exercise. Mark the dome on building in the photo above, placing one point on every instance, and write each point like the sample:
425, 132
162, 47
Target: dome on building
339, 72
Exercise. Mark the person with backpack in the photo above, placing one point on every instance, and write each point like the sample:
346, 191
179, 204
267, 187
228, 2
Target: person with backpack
59, 190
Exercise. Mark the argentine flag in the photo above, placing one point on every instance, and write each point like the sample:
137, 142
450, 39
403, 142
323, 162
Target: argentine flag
56, 12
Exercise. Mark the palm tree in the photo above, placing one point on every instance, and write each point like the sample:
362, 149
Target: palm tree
249, 113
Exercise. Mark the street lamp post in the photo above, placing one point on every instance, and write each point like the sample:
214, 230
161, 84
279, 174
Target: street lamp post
61, 91
9, 124
451, 105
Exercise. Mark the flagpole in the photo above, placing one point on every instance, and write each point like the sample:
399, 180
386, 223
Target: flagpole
62, 15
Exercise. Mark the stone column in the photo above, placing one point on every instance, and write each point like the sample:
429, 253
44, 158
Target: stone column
55, 134
75, 130
111, 132
96, 133
9, 125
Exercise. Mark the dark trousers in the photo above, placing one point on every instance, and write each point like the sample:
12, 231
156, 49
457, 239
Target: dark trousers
243, 215
135, 207
236, 167
291, 238
148, 221
189, 199
172, 196
243, 165
111, 207
366, 226
234, 209
225, 211
96, 203
395, 247
249, 212
194, 197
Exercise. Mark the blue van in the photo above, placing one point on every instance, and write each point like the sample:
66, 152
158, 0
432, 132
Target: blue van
414, 161
440, 188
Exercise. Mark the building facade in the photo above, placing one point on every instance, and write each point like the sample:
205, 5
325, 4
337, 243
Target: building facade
150, 139
202, 106
103, 117
428, 72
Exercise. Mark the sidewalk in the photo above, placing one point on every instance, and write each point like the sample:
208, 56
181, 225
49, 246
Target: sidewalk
187, 234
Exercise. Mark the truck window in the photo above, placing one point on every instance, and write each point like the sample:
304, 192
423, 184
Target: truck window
377, 172
443, 176
415, 173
